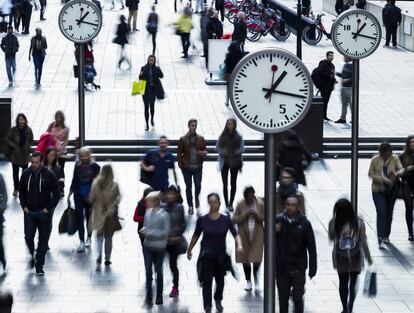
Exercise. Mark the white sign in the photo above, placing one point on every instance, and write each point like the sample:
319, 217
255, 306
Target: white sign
217, 50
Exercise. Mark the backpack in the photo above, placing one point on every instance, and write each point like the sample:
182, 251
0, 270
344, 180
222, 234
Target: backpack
316, 78
348, 251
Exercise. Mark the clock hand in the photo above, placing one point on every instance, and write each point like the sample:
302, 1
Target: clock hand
285, 93
274, 86
82, 18
358, 31
365, 36
274, 69
79, 21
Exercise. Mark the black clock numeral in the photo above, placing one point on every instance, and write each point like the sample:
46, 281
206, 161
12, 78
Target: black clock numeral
347, 27
282, 108
70, 27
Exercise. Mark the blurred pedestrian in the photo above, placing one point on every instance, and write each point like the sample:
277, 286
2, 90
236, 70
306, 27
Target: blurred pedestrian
105, 197
26, 13
235, 52
3, 207
38, 46
184, 26
213, 261
10, 46
42, 9
350, 247
16, 12
204, 18
391, 19
288, 187
240, 29
139, 214
156, 230
306, 7
326, 73
249, 217
384, 169
230, 149
121, 39
113, 5
152, 27
214, 29
346, 89
152, 74
85, 171
39, 196
191, 153
199, 6
219, 6
132, 6
18, 144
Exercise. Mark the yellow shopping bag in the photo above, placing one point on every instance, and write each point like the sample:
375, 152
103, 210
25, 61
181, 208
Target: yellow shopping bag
138, 87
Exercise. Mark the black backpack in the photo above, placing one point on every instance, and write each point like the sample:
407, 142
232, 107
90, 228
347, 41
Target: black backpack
316, 78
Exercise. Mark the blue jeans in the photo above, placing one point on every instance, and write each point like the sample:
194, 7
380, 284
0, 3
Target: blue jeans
153, 257
38, 65
189, 176
10, 67
384, 204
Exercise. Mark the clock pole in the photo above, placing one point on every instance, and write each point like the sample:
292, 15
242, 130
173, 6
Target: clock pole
81, 93
355, 133
270, 230
299, 30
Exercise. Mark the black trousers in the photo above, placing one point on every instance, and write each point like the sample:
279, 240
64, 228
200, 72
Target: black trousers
149, 104
409, 208
326, 95
391, 35
42, 8
37, 221
173, 255
185, 41
16, 176
247, 268
294, 280
233, 183
219, 5
212, 269
61, 163
2, 255
154, 43
26, 19
347, 283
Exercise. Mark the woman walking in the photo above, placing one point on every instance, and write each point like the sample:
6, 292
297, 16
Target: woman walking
152, 74
38, 46
213, 260
139, 214
249, 217
384, 170
176, 244
184, 26
121, 39
230, 149
152, 27
156, 231
105, 197
86, 170
18, 141
347, 232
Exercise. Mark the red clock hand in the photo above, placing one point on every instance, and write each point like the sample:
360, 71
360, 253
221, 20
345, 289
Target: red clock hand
274, 69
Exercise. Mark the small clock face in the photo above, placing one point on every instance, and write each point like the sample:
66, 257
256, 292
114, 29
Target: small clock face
356, 33
270, 90
80, 20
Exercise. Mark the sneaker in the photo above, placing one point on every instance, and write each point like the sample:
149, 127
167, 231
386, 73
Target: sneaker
81, 247
207, 310
40, 271
88, 242
230, 207
174, 292
219, 307
159, 300
386, 240
340, 121
326, 119
32, 263
190, 210
108, 262
99, 260
381, 245
248, 286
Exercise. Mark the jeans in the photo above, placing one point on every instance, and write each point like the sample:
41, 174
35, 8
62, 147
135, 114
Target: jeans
108, 245
172, 252
384, 204
233, 182
10, 67
212, 268
247, 268
38, 65
325, 94
391, 35
34, 221
16, 177
409, 208
347, 283
185, 41
294, 280
82, 213
132, 15
346, 99
156, 258
189, 175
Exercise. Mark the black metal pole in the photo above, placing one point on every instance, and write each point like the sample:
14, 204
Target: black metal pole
355, 134
270, 230
81, 93
299, 30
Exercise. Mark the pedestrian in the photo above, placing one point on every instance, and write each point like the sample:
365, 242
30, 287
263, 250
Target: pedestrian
132, 6
38, 46
121, 39
42, 9
235, 52
346, 89
213, 260
16, 12
219, 6
184, 26
26, 11
113, 5
139, 214
157, 163
85, 171
293, 153
152, 27
39, 196
407, 162
191, 153
391, 19
156, 231
176, 244
288, 187
214, 29
18, 144
175, 4
306, 7
60, 133
384, 169
342, 5
199, 6
249, 217
105, 197
326, 73
152, 74
350, 247
204, 18
10, 46
230, 149
240, 29
3, 207
294, 241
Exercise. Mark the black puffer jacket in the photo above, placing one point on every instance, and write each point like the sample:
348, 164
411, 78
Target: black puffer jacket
178, 224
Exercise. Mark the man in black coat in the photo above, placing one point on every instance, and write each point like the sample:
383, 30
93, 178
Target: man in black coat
132, 6
240, 29
39, 195
326, 71
294, 241
391, 18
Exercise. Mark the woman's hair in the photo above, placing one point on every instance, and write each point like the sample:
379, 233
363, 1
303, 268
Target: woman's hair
155, 197
407, 153
291, 171
105, 178
63, 117
146, 192
19, 116
85, 150
48, 151
225, 133
383, 148
248, 190
152, 56
344, 213
177, 191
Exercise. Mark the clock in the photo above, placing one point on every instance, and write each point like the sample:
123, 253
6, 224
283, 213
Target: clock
80, 20
270, 90
356, 33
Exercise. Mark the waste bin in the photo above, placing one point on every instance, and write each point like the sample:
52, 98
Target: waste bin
5, 120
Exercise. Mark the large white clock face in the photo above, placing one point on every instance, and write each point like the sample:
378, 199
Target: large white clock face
270, 90
80, 20
356, 33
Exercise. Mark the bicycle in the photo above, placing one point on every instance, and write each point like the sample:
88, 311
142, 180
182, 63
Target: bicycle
313, 35
267, 21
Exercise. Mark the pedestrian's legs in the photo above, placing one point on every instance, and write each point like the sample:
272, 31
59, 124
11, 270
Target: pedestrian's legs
225, 178
154, 43
2, 255
233, 182
346, 99
148, 260
43, 222
326, 94
175, 6
134, 19
145, 98
108, 246
141, 238
130, 14
87, 217
390, 210
381, 208
42, 9
187, 174
99, 244
409, 208
256, 267
247, 271
38, 64
183, 38
298, 290
188, 43
208, 273
8, 61
198, 177
80, 217
158, 262
352, 290
152, 108
343, 290
61, 162
52, 211
394, 36
220, 272
283, 289
387, 35
173, 264
221, 10
29, 231
16, 177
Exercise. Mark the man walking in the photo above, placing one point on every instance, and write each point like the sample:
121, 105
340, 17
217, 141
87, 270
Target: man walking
326, 71
294, 241
191, 153
10, 45
132, 6
391, 18
38, 46
346, 89
39, 195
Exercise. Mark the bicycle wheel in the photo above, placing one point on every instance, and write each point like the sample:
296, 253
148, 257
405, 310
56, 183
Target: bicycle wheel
253, 36
311, 37
281, 31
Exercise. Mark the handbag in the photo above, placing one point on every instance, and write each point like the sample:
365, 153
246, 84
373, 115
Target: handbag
138, 87
112, 224
400, 189
68, 222
370, 283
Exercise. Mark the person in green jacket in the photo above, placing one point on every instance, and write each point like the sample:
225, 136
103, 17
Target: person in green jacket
184, 25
